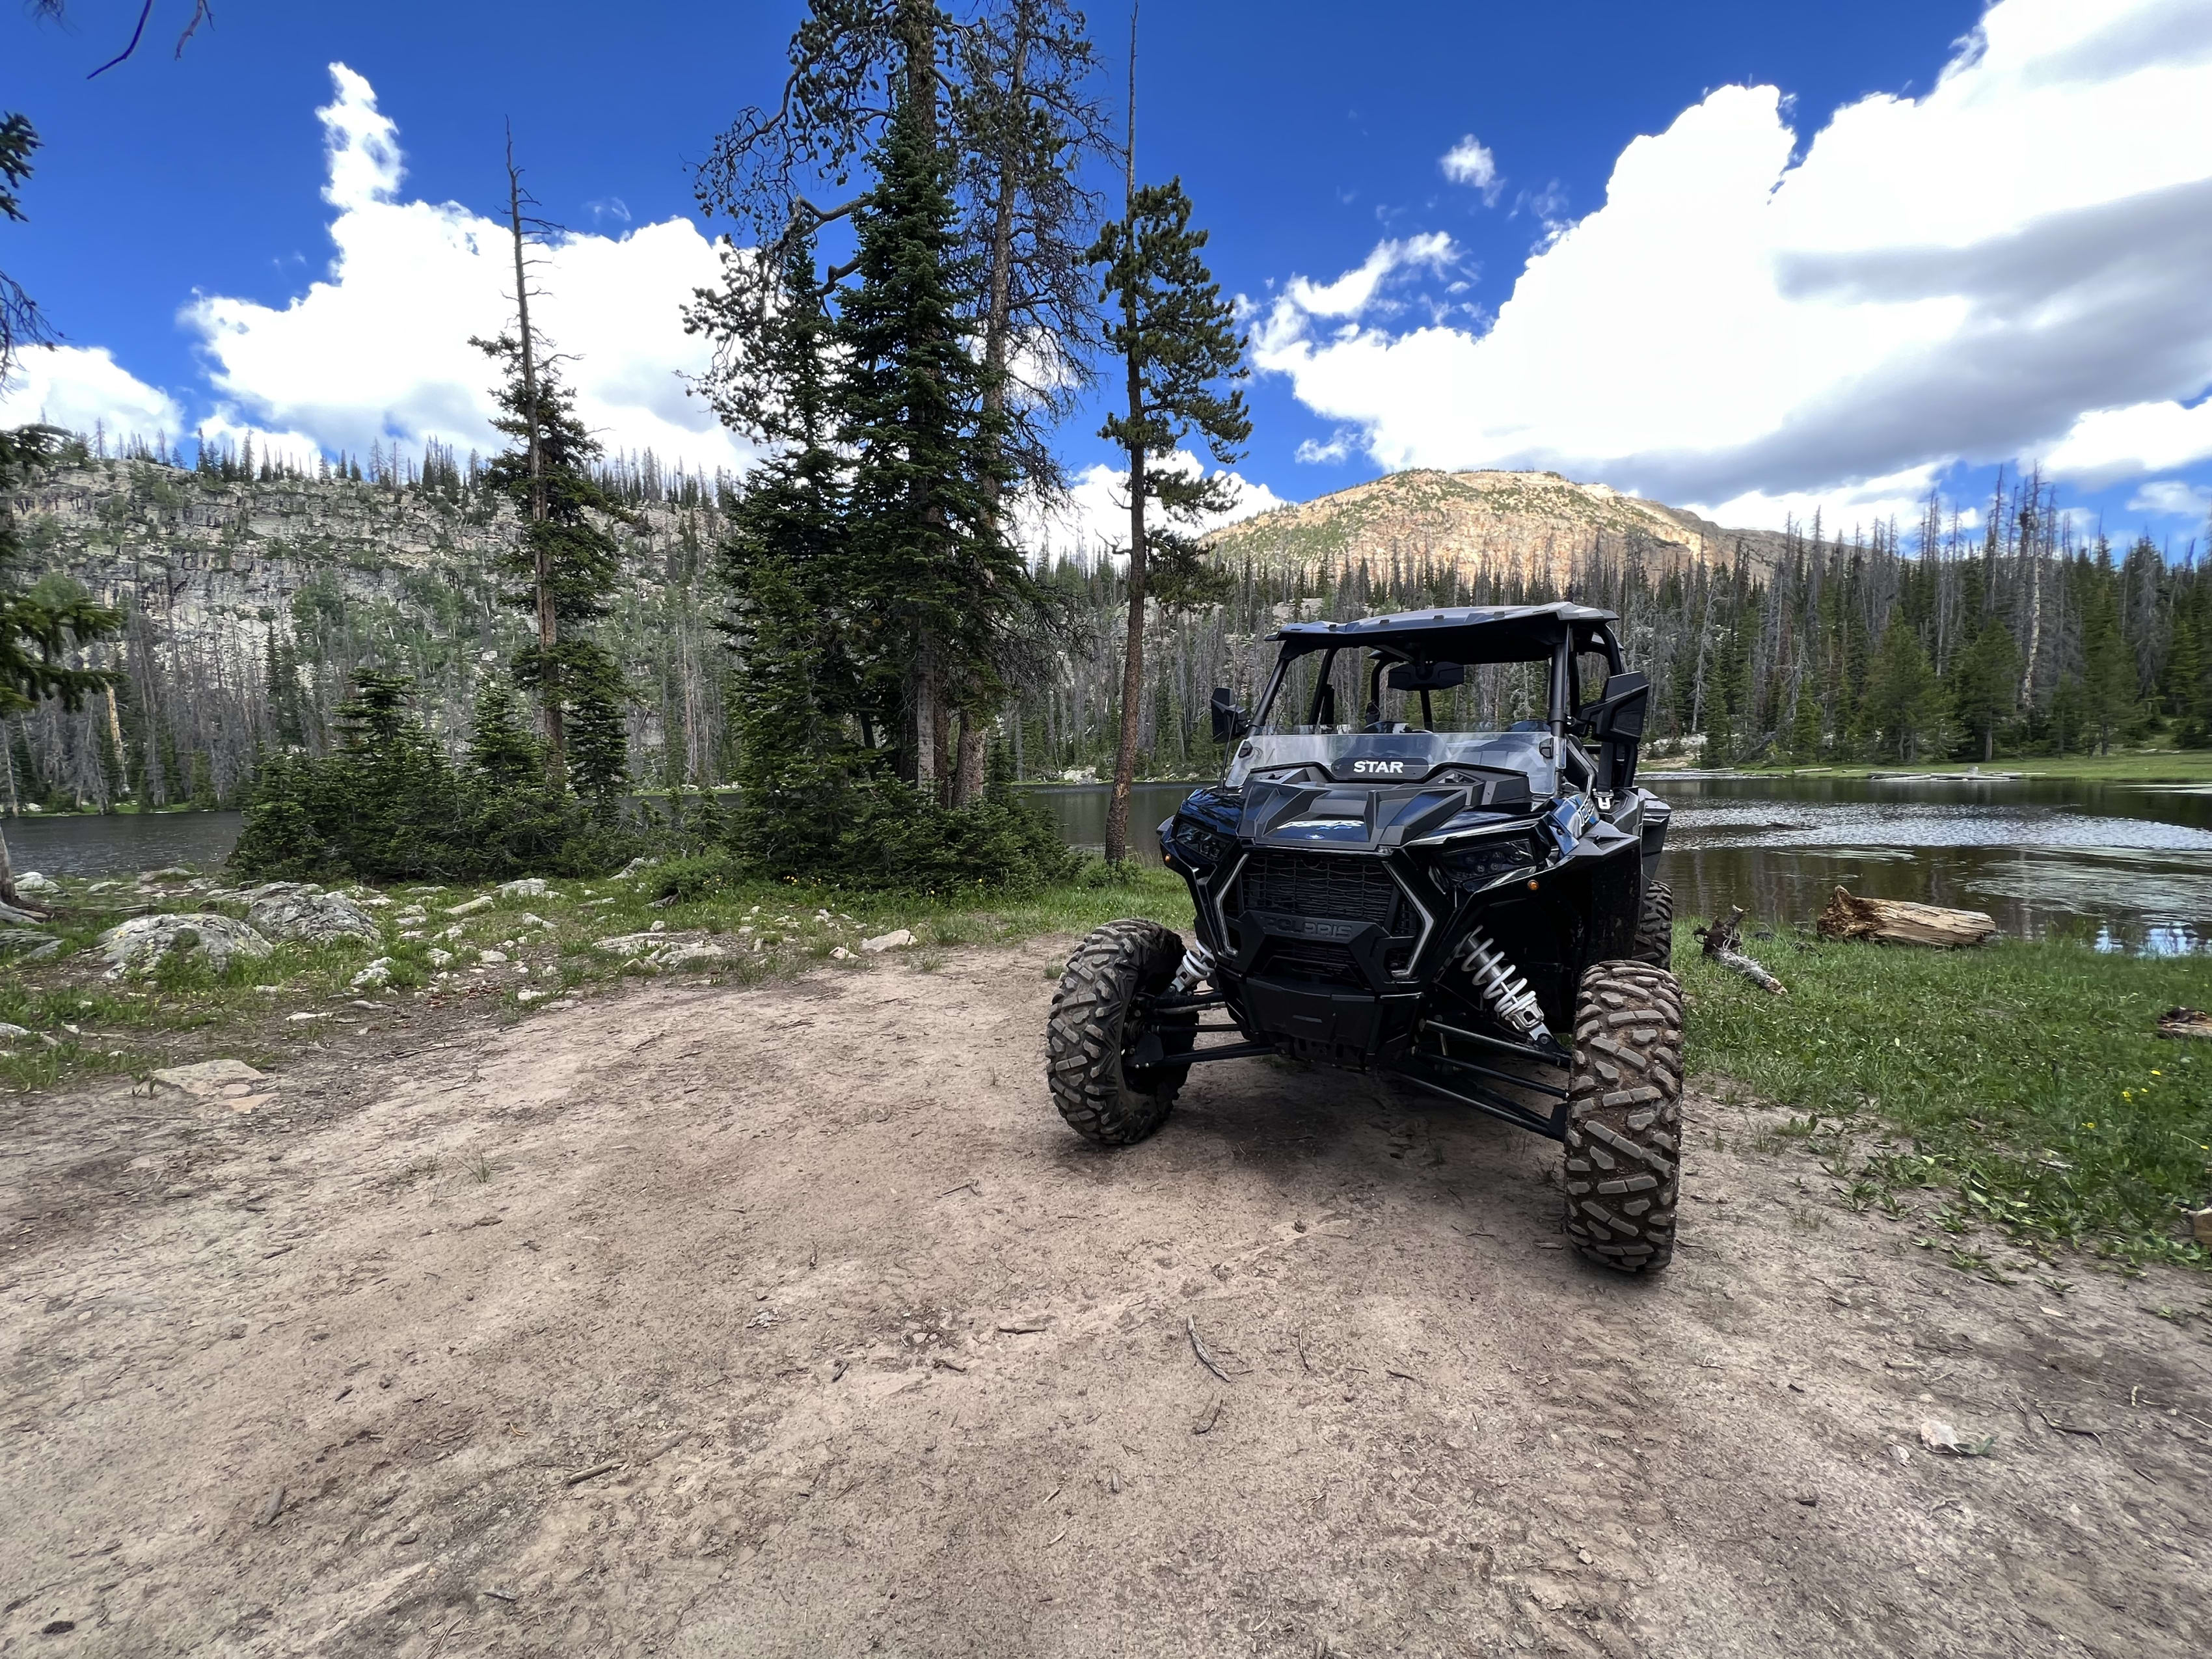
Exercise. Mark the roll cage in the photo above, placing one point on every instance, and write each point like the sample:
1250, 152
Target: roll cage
1470, 636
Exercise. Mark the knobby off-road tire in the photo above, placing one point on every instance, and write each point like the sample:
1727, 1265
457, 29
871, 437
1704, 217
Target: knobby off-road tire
1624, 1116
1655, 928
1091, 1031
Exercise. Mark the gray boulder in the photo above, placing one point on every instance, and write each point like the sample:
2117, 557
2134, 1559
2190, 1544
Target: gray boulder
315, 917
134, 946
26, 944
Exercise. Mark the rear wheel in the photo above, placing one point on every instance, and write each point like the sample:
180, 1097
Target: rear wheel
1655, 928
1095, 1039
1624, 1116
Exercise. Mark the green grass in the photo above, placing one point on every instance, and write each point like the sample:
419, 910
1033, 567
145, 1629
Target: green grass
774, 929
2121, 766
2018, 1085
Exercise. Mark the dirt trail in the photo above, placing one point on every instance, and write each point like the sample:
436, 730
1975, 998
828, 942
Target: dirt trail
884, 1359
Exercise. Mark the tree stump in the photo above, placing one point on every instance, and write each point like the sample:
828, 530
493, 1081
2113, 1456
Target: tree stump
2184, 1023
1895, 922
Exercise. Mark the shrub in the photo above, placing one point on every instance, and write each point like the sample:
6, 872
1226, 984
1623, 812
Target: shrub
881, 835
387, 806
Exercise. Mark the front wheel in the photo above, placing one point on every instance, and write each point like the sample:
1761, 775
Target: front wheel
1098, 1025
1624, 1136
1655, 928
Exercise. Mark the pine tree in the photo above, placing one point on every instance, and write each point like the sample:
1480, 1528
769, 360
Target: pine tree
501, 747
1982, 684
1904, 701
1177, 339
568, 563
567, 560
928, 553
809, 651
2108, 669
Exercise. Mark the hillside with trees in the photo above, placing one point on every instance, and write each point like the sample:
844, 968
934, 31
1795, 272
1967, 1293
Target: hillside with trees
254, 590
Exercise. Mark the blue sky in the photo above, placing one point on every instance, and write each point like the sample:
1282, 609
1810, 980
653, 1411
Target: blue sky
1313, 139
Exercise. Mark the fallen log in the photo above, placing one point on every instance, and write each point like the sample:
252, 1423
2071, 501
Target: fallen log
1724, 944
1896, 921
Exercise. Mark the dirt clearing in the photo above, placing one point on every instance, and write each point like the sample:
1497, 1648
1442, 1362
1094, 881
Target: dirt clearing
791, 1321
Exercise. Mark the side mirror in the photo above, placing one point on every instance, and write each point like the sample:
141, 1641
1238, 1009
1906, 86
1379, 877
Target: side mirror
1615, 721
1620, 708
1230, 722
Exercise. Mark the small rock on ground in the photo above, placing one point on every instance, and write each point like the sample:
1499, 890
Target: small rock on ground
890, 941
208, 1077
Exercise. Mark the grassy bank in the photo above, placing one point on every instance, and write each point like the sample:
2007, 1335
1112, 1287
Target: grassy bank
2018, 1086
544, 949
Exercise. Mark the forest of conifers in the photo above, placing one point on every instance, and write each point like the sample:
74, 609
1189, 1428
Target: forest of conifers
2029, 634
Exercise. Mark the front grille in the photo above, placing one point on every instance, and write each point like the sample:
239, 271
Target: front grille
1314, 963
1341, 888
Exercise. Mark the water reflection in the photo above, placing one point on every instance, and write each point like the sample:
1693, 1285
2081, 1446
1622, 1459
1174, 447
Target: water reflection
122, 845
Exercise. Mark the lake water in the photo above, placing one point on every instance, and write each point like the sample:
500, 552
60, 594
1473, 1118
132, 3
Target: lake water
2126, 866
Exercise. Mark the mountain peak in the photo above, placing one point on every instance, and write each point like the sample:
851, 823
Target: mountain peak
1534, 526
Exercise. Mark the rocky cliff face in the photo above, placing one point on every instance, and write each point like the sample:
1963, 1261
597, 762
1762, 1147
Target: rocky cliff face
218, 562
251, 604
1532, 528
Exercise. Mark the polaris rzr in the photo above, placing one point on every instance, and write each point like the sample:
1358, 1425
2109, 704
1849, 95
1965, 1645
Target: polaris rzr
1468, 903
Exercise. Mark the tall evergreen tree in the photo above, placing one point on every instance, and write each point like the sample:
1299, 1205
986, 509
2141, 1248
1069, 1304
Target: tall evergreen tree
805, 638
1982, 684
566, 559
1904, 701
1177, 339
926, 545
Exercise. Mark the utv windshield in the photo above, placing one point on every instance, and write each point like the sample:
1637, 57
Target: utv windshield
1353, 692
1466, 697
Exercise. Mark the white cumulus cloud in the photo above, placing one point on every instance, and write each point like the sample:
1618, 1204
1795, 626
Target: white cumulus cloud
379, 348
81, 388
2170, 496
1093, 522
1469, 162
2013, 264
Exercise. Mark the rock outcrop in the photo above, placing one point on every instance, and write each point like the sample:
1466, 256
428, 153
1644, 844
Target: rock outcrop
311, 915
137, 945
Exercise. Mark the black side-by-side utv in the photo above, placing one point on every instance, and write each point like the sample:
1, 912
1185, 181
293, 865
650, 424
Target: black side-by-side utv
1474, 910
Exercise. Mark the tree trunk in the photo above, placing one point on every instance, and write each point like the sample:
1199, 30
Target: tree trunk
968, 780
1894, 921
8, 895
549, 630
922, 697
1133, 659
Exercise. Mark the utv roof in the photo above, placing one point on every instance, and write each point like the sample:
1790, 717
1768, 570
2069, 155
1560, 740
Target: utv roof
1526, 625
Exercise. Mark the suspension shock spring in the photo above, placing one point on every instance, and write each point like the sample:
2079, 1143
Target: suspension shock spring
1504, 986
1196, 968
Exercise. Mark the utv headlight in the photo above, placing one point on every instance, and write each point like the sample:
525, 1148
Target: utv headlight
1197, 844
1486, 861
